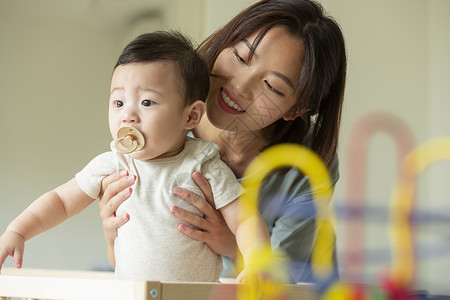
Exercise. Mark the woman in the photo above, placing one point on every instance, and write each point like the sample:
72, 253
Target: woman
277, 76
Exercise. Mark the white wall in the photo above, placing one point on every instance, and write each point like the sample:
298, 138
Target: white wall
439, 96
398, 63
54, 80
387, 72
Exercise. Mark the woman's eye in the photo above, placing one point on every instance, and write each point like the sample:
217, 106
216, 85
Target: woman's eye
271, 88
238, 57
147, 103
118, 103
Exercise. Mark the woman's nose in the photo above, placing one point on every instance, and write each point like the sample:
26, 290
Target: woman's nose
243, 84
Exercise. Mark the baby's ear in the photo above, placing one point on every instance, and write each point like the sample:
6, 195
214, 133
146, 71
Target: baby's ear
195, 114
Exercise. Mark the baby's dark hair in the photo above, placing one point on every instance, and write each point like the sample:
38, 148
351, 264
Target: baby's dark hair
174, 47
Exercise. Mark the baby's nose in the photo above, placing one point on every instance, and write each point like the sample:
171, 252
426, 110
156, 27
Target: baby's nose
130, 117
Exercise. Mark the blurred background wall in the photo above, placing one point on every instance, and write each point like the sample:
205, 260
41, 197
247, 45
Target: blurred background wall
56, 59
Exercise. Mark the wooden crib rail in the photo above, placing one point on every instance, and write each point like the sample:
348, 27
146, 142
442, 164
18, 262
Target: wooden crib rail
71, 288
80, 285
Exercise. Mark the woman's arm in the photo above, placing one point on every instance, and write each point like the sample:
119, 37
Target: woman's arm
47, 211
116, 189
212, 228
250, 231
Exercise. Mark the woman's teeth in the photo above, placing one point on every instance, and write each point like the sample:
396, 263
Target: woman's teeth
230, 102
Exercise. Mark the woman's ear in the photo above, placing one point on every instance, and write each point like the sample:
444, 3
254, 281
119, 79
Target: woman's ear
195, 113
294, 113
291, 115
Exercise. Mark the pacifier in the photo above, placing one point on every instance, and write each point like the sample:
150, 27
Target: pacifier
129, 140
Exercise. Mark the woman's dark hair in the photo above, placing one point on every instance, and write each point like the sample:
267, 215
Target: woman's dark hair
322, 78
174, 47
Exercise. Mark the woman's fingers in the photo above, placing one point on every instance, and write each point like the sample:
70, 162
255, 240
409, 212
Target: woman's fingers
118, 185
116, 192
108, 207
117, 189
112, 178
204, 186
195, 200
111, 224
118, 199
189, 218
212, 228
115, 222
193, 233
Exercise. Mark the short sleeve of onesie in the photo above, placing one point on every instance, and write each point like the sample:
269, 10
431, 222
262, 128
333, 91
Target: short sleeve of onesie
223, 182
90, 178
224, 185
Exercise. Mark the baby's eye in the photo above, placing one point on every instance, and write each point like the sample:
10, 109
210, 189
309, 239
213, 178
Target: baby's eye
147, 103
118, 103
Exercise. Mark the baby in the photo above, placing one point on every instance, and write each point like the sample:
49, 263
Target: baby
158, 89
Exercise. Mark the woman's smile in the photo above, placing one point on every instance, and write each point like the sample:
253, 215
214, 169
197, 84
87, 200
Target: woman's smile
229, 103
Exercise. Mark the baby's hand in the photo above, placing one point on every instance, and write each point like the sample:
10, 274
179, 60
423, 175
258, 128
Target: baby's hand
11, 244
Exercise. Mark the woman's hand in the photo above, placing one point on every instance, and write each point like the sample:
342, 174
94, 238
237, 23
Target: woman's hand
116, 189
212, 228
